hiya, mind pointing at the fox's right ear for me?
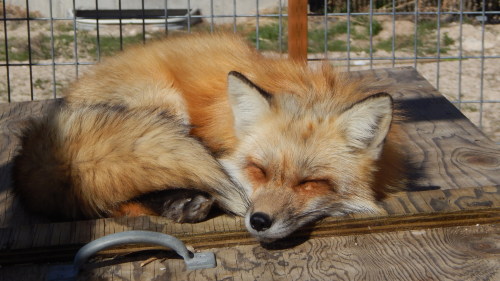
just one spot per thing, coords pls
(367, 122)
(248, 101)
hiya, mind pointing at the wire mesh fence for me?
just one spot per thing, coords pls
(455, 44)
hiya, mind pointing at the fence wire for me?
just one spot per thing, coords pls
(455, 44)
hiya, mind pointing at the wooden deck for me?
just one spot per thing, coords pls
(446, 227)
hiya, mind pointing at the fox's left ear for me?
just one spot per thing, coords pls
(248, 101)
(367, 122)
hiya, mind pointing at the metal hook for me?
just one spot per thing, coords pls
(192, 260)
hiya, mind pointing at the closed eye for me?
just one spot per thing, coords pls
(256, 172)
(321, 181)
(314, 183)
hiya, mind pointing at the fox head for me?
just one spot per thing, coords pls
(303, 157)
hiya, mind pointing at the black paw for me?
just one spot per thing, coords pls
(187, 207)
(180, 205)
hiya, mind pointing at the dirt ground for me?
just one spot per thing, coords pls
(446, 75)
(455, 79)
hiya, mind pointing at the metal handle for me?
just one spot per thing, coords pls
(192, 260)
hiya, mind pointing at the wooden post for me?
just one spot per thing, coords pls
(297, 30)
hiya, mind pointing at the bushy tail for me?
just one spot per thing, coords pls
(83, 162)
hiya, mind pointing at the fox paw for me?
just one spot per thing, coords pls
(187, 206)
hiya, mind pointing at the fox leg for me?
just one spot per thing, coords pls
(133, 209)
(180, 205)
(187, 207)
(85, 162)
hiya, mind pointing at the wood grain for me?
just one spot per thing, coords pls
(13, 118)
(455, 173)
(404, 211)
(384, 256)
(446, 150)
(452, 253)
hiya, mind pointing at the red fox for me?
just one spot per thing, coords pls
(271, 139)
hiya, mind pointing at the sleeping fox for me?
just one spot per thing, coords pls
(270, 139)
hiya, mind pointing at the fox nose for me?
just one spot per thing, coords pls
(260, 221)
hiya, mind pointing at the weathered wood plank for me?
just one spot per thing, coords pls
(12, 120)
(429, 209)
(453, 253)
(446, 150)
(386, 256)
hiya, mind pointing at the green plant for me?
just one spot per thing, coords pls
(40, 84)
(447, 40)
(338, 28)
(316, 40)
(363, 31)
(425, 26)
(337, 46)
(425, 40)
(376, 27)
(385, 45)
(17, 49)
(268, 37)
(469, 108)
(109, 45)
(63, 26)
(402, 43)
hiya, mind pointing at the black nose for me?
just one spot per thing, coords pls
(260, 221)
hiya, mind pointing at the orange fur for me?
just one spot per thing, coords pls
(208, 112)
(132, 209)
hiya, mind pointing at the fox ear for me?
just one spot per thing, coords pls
(248, 101)
(367, 122)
